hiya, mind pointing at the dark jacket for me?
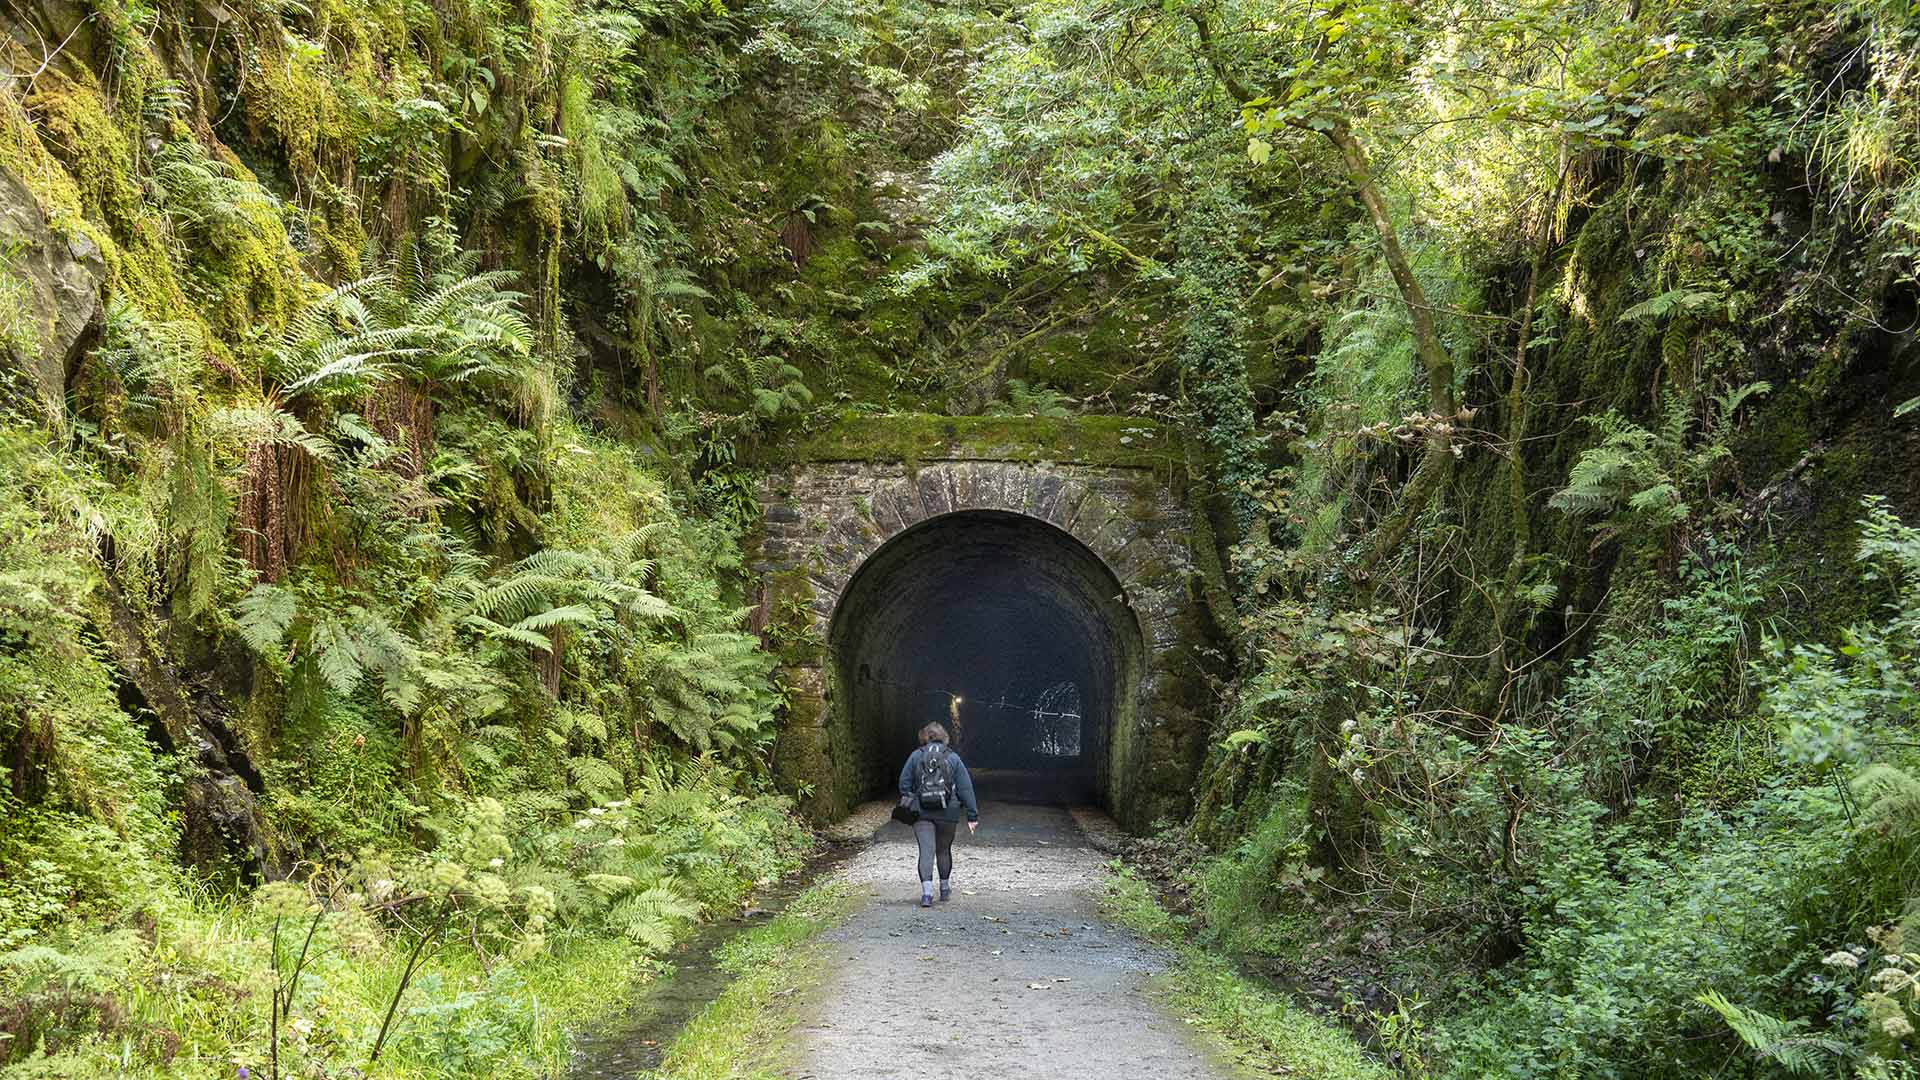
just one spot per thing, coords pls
(962, 786)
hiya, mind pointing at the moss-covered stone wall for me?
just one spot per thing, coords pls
(1115, 485)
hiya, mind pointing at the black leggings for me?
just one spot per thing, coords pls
(935, 837)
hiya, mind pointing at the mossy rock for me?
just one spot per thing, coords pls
(1110, 441)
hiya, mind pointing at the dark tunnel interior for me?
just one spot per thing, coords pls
(1007, 625)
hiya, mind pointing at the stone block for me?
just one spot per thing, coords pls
(935, 499)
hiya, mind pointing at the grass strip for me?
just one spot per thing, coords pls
(737, 1036)
(1267, 1030)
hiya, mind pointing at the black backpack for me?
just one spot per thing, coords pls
(934, 784)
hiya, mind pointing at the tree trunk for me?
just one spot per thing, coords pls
(1436, 465)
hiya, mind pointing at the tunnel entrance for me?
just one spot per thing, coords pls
(1006, 629)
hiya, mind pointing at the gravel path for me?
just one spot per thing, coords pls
(1018, 976)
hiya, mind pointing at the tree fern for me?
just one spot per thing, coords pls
(487, 628)
(446, 327)
(566, 615)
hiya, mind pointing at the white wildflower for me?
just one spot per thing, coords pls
(616, 842)
(1896, 1026)
(584, 823)
(597, 811)
(1888, 978)
(496, 862)
(1842, 959)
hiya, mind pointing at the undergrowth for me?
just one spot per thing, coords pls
(741, 1033)
(1264, 1028)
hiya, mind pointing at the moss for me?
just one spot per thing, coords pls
(23, 156)
(803, 762)
(1117, 441)
(790, 625)
(339, 238)
(72, 122)
(74, 157)
(1101, 358)
(251, 276)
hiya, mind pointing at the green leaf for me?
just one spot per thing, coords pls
(263, 616)
(1672, 301)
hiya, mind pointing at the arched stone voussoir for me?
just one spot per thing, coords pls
(1089, 518)
(1065, 503)
(936, 495)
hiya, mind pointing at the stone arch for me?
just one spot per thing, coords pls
(824, 522)
(971, 613)
(955, 487)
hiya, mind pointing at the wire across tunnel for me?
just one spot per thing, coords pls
(1002, 627)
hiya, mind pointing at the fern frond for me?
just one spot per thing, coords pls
(1889, 797)
(594, 777)
(569, 615)
(263, 616)
(1776, 1040)
(1675, 300)
(336, 655)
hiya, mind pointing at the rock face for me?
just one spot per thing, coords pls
(50, 306)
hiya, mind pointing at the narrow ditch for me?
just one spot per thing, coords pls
(636, 1041)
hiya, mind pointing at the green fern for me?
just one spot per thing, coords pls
(1778, 1041)
(1031, 400)
(449, 327)
(206, 201)
(1889, 798)
(263, 616)
(1675, 301)
(770, 385)
(595, 778)
(652, 916)
(1653, 476)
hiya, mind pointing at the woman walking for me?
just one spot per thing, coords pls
(935, 781)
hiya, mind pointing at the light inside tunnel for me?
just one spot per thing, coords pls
(1005, 629)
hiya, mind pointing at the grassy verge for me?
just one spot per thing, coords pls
(1263, 1026)
(738, 1035)
(187, 1001)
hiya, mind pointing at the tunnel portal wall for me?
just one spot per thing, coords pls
(823, 521)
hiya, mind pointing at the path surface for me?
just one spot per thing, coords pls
(1017, 977)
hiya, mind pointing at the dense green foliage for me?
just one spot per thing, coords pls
(1568, 654)
(381, 537)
